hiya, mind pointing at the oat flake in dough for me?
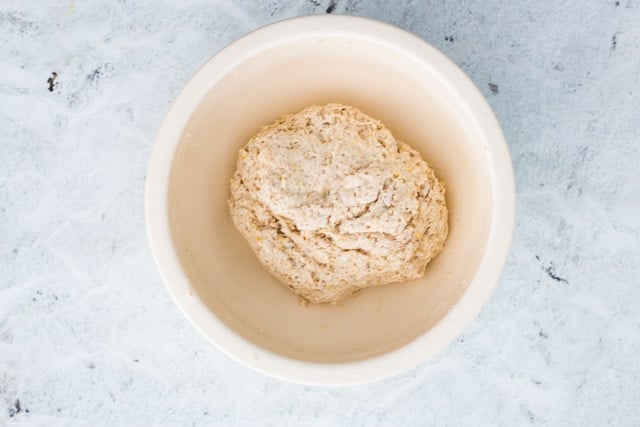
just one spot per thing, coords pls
(331, 203)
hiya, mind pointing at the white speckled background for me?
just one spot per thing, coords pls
(89, 336)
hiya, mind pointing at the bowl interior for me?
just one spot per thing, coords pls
(417, 105)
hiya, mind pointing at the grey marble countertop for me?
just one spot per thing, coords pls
(88, 335)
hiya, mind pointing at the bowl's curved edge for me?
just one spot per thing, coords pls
(379, 367)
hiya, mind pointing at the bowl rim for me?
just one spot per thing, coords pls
(377, 367)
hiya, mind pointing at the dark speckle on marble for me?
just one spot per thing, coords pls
(449, 39)
(51, 81)
(98, 72)
(531, 416)
(95, 75)
(543, 334)
(614, 42)
(550, 270)
(494, 88)
(16, 408)
(332, 6)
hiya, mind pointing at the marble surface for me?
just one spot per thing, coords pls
(88, 335)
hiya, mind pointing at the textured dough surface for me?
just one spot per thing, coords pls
(331, 203)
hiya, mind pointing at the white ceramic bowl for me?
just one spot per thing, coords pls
(210, 271)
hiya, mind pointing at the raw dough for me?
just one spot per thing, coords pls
(331, 203)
